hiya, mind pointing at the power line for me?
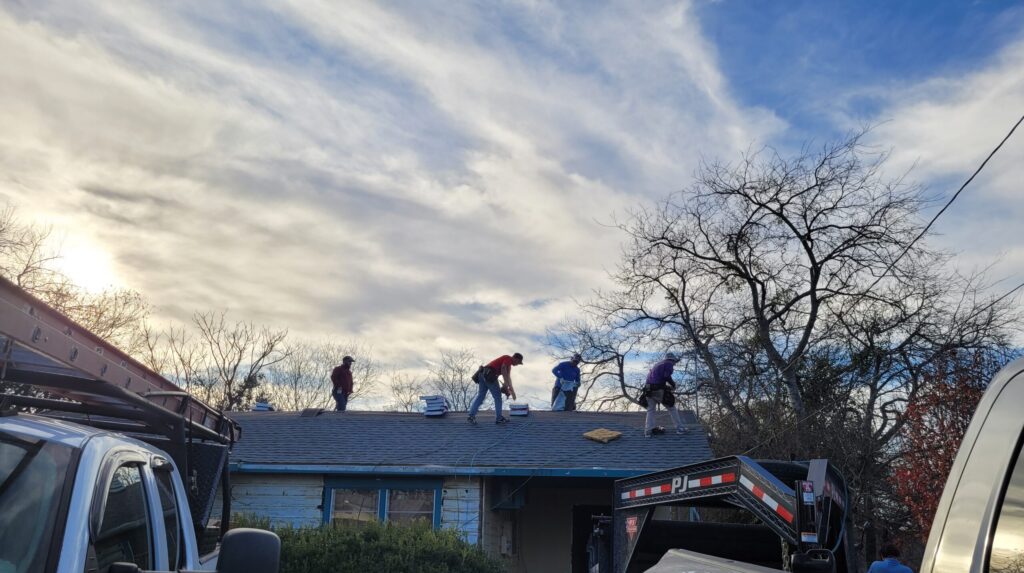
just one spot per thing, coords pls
(946, 206)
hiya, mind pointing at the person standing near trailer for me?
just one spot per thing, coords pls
(487, 377)
(341, 379)
(567, 383)
(659, 390)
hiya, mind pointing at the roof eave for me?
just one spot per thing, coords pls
(257, 468)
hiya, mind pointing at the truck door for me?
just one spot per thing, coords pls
(135, 517)
(121, 529)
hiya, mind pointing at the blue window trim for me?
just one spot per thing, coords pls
(383, 486)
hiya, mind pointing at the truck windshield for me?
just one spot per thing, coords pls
(32, 479)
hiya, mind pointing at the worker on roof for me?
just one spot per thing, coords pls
(341, 378)
(487, 378)
(567, 383)
(660, 389)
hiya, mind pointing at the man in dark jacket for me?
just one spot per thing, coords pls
(341, 378)
(659, 390)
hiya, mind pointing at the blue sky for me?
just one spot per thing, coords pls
(429, 175)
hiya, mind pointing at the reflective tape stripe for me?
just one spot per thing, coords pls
(711, 480)
(767, 499)
(646, 491)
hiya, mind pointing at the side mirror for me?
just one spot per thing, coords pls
(246, 550)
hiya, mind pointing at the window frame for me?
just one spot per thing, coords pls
(383, 486)
(111, 463)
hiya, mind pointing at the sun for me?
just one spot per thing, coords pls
(87, 265)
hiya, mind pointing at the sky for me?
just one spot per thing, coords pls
(430, 175)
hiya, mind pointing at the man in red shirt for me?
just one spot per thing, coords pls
(487, 378)
(341, 378)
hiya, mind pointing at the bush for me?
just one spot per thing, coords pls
(374, 547)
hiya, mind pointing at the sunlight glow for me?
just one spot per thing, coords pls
(87, 265)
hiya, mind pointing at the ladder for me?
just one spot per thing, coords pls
(48, 351)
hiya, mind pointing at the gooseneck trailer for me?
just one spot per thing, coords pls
(792, 516)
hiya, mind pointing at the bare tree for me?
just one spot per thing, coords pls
(805, 302)
(405, 390)
(237, 354)
(606, 381)
(302, 379)
(28, 259)
(451, 377)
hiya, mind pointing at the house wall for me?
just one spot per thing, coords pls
(460, 506)
(545, 525)
(296, 499)
(537, 537)
(284, 498)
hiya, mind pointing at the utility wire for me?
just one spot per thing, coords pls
(946, 206)
(907, 249)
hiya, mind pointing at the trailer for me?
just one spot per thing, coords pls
(795, 520)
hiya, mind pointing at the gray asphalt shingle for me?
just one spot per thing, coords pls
(541, 440)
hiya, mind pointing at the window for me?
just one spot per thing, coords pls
(408, 506)
(124, 533)
(33, 474)
(1007, 555)
(394, 500)
(172, 529)
(354, 506)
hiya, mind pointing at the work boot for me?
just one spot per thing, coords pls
(471, 419)
(648, 433)
(682, 431)
(658, 430)
(501, 420)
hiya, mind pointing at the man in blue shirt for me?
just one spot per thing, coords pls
(659, 389)
(890, 562)
(567, 383)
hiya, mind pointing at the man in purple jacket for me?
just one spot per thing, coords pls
(659, 390)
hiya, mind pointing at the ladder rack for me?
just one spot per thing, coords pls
(48, 351)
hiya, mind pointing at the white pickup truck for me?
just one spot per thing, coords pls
(77, 499)
(979, 524)
(116, 469)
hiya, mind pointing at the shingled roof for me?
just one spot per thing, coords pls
(544, 442)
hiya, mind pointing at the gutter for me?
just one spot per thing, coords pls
(256, 468)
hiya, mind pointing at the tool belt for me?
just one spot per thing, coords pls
(486, 375)
(663, 396)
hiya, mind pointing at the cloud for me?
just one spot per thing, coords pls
(418, 177)
(941, 130)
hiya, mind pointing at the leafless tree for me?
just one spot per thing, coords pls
(804, 300)
(28, 259)
(606, 382)
(302, 379)
(237, 353)
(451, 376)
(405, 390)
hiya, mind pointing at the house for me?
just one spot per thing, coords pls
(524, 491)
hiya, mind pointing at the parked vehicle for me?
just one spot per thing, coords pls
(979, 523)
(978, 526)
(792, 515)
(105, 466)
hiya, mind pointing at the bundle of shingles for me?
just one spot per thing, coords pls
(435, 406)
(516, 409)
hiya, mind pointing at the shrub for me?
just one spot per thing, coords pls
(374, 547)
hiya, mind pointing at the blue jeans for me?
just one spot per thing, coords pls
(341, 401)
(495, 391)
